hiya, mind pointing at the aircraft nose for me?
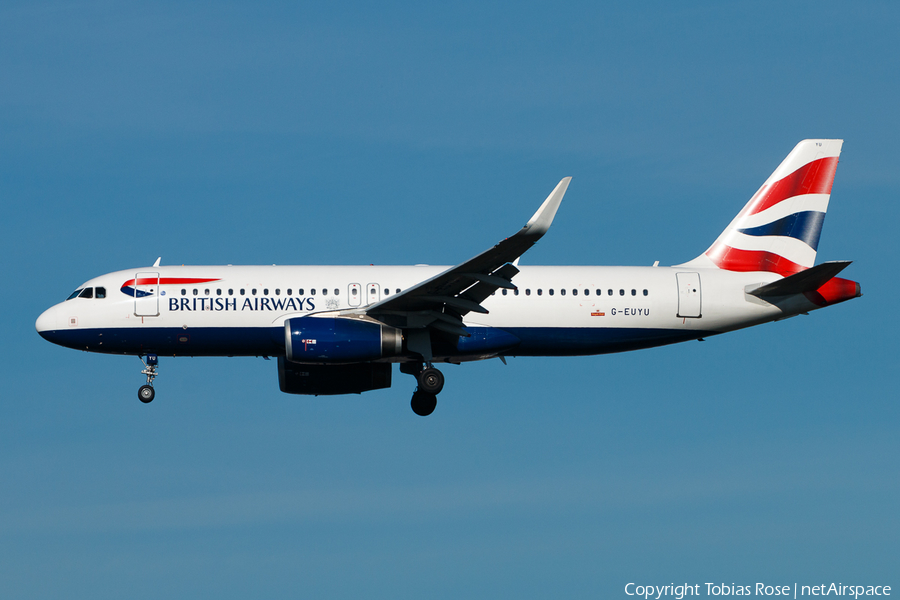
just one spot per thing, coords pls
(46, 322)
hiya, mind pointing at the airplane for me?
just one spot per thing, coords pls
(339, 329)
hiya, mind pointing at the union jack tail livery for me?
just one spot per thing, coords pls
(778, 230)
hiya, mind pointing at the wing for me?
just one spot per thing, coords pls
(441, 302)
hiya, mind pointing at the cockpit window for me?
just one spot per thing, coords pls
(74, 294)
(86, 293)
(100, 292)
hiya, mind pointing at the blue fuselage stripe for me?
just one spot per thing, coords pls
(269, 341)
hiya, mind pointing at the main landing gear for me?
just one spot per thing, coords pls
(423, 403)
(431, 382)
(147, 393)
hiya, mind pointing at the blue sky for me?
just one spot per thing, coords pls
(347, 133)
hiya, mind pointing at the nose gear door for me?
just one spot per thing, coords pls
(146, 295)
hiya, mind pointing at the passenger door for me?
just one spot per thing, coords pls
(146, 295)
(688, 295)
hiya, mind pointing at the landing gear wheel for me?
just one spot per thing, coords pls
(146, 394)
(431, 381)
(423, 403)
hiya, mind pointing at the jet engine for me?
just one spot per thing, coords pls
(334, 340)
(326, 380)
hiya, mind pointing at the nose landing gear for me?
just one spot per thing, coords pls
(147, 393)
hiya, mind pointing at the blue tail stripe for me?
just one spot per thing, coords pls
(804, 226)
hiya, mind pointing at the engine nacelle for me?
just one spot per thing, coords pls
(326, 380)
(313, 340)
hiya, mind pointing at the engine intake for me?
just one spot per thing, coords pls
(334, 340)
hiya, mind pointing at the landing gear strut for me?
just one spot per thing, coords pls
(431, 382)
(147, 393)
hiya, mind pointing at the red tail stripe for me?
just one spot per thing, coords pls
(813, 178)
(166, 281)
(732, 259)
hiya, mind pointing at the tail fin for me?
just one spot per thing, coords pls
(778, 230)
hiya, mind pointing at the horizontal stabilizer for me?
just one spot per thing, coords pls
(808, 280)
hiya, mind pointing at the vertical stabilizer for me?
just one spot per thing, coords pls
(778, 230)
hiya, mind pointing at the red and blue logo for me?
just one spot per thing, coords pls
(801, 224)
(146, 286)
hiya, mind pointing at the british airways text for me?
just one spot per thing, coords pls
(231, 304)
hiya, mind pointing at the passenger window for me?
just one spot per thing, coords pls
(527, 291)
(387, 291)
(87, 293)
(312, 292)
(184, 292)
(206, 291)
(277, 292)
(574, 292)
(598, 292)
(562, 292)
(253, 291)
(242, 291)
(288, 292)
(231, 291)
(101, 292)
(610, 292)
(196, 291)
(634, 292)
(325, 291)
(504, 292)
(353, 291)
(218, 292)
(265, 291)
(300, 291)
(645, 292)
(516, 292)
(621, 292)
(74, 294)
(397, 291)
(540, 292)
(337, 292)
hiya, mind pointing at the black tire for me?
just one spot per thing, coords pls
(146, 394)
(423, 403)
(431, 381)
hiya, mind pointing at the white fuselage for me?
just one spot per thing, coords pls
(555, 310)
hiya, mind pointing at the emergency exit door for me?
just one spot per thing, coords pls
(688, 295)
(373, 293)
(354, 294)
